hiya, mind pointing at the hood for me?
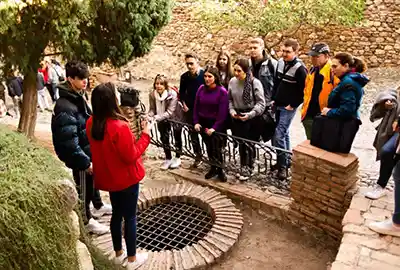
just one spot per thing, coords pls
(65, 90)
(360, 79)
(387, 95)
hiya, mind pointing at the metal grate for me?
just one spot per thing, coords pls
(172, 225)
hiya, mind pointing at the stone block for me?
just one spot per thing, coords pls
(177, 260)
(187, 262)
(394, 249)
(216, 252)
(348, 254)
(356, 229)
(386, 258)
(370, 264)
(204, 253)
(360, 203)
(84, 257)
(197, 259)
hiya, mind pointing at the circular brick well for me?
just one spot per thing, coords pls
(182, 226)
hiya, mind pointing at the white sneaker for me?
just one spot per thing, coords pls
(95, 227)
(376, 193)
(106, 209)
(166, 164)
(385, 227)
(141, 258)
(120, 259)
(175, 163)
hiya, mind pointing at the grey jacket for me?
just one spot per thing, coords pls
(384, 129)
(266, 75)
(235, 94)
(173, 108)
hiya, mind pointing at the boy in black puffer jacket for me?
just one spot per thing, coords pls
(68, 126)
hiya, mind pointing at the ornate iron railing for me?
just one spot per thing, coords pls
(264, 154)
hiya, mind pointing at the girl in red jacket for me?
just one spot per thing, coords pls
(117, 168)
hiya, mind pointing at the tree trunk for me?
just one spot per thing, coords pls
(27, 122)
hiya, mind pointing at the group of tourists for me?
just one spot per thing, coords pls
(49, 75)
(256, 99)
(97, 144)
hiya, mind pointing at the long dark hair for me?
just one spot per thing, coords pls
(105, 106)
(356, 64)
(215, 72)
(228, 69)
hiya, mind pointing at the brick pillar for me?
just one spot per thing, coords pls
(322, 187)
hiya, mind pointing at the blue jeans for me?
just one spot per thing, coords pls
(387, 160)
(281, 138)
(396, 177)
(124, 204)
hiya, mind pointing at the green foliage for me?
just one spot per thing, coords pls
(267, 16)
(34, 228)
(91, 30)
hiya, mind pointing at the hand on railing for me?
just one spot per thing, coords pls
(209, 131)
(197, 127)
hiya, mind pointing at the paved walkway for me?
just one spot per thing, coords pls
(362, 248)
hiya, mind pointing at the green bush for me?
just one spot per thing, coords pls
(34, 228)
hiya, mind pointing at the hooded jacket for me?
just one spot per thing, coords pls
(384, 129)
(345, 99)
(68, 126)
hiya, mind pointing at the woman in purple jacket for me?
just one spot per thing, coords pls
(209, 115)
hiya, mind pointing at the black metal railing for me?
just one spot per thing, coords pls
(264, 155)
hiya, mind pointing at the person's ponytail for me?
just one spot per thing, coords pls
(359, 65)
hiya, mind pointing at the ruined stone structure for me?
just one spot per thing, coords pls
(377, 39)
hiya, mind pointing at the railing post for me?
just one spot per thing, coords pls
(322, 187)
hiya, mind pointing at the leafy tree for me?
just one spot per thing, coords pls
(93, 31)
(266, 16)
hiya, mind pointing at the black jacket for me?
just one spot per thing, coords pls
(289, 88)
(188, 87)
(14, 85)
(68, 126)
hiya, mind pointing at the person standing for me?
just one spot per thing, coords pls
(68, 127)
(118, 168)
(263, 67)
(246, 102)
(287, 96)
(53, 80)
(41, 88)
(319, 84)
(224, 66)
(164, 105)
(209, 115)
(14, 86)
(190, 82)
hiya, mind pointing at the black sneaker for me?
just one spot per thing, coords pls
(211, 173)
(282, 174)
(222, 176)
(195, 164)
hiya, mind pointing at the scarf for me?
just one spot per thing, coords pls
(160, 104)
(247, 89)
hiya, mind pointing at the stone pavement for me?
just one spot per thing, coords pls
(362, 248)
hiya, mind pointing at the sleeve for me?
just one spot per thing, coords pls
(196, 106)
(269, 84)
(222, 111)
(301, 76)
(230, 99)
(171, 108)
(11, 90)
(182, 89)
(66, 142)
(259, 107)
(152, 105)
(127, 147)
(347, 106)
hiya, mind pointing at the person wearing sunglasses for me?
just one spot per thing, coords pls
(190, 82)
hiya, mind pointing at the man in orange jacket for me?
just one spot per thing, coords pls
(319, 83)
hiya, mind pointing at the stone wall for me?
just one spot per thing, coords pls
(377, 39)
(322, 187)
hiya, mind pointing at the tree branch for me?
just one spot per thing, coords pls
(52, 54)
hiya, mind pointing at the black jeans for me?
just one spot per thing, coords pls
(49, 87)
(124, 204)
(246, 130)
(86, 193)
(387, 160)
(194, 136)
(214, 144)
(165, 130)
